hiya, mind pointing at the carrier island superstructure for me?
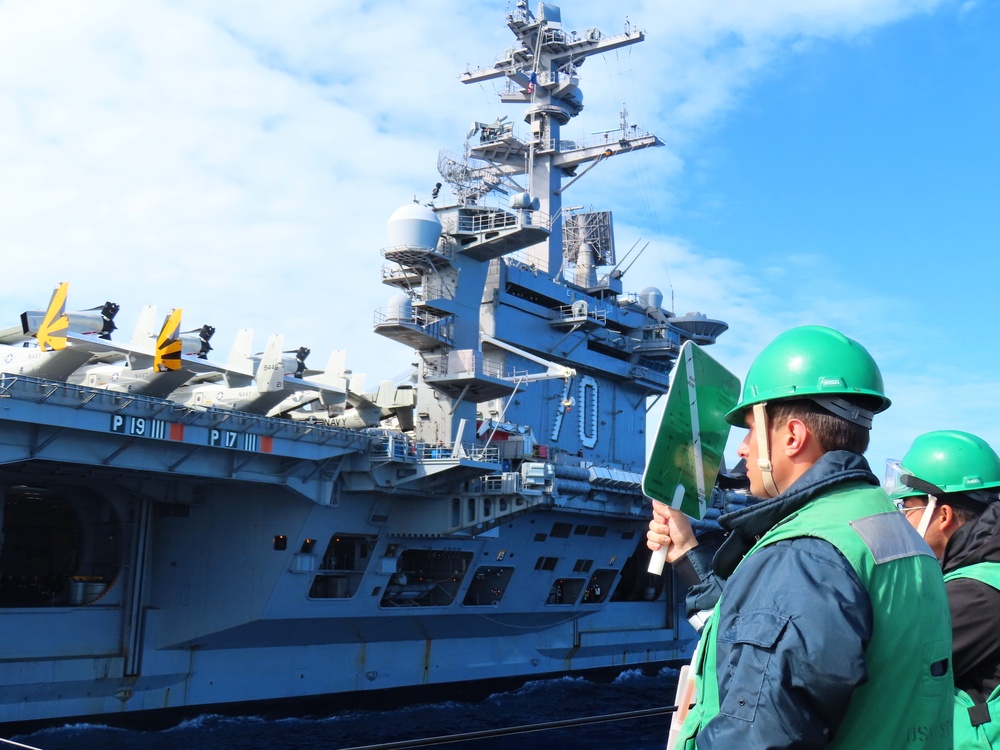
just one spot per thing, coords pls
(157, 556)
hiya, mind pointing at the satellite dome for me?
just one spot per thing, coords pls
(414, 225)
(651, 298)
(399, 308)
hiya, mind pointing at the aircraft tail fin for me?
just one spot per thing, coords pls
(167, 356)
(335, 372)
(334, 381)
(95, 320)
(242, 350)
(386, 393)
(270, 374)
(145, 329)
(54, 326)
(357, 384)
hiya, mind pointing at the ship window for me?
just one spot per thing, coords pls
(342, 567)
(581, 530)
(565, 591)
(488, 586)
(541, 537)
(582, 566)
(426, 578)
(598, 531)
(599, 586)
(546, 563)
(561, 530)
(307, 545)
(280, 542)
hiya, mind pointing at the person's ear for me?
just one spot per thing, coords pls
(948, 518)
(794, 437)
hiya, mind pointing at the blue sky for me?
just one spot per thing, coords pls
(861, 177)
(831, 162)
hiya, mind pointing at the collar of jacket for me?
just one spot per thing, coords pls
(976, 541)
(747, 525)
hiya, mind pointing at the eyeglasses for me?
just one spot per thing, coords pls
(903, 508)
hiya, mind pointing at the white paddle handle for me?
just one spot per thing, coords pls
(656, 561)
(659, 557)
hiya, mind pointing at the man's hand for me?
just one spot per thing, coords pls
(671, 529)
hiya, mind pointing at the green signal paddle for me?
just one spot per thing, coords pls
(687, 451)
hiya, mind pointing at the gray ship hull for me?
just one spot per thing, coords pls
(179, 599)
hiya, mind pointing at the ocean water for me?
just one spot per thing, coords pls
(534, 703)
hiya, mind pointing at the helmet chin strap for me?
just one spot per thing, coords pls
(764, 450)
(925, 516)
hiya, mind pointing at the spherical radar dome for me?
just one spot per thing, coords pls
(399, 308)
(414, 225)
(651, 298)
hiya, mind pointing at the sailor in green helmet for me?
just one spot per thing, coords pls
(811, 643)
(946, 486)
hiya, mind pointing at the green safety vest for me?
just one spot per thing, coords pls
(986, 735)
(901, 705)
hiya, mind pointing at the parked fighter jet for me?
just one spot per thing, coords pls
(270, 384)
(367, 409)
(99, 321)
(49, 355)
(155, 364)
(76, 348)
(329, 391)
(386, 402)
(241, 368)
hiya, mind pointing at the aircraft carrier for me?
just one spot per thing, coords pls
(164, 551)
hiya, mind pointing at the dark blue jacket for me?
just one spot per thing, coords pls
(809, 580)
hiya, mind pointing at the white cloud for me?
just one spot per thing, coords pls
(240, 159)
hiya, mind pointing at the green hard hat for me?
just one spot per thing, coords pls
(951, 461)
(812, 362)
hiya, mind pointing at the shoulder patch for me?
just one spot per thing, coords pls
(889, 536)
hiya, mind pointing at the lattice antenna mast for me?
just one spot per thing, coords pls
(542, 72)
